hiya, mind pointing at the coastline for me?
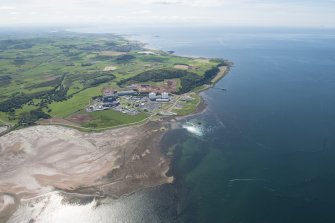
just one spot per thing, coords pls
(224, 70)
(110, 162)
(201, 107)
(136, 146)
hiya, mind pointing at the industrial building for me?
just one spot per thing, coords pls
(162, 100)
(125, 93)
(111, 104)
(152, 96)
(107, 99)
(164, 97)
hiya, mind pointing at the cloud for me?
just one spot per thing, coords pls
(14, 13)
(202, 12)
(141, 12)
(195, 3)
(165, 2)
(4, 7)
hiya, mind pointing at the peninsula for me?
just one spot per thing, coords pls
(84, 114)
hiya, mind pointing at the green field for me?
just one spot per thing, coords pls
(188, 106)
(56, 75)
(109, 118)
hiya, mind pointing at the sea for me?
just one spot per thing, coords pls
(264, 149)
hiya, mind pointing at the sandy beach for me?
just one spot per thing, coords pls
(38, 160)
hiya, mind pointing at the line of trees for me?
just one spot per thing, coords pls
(21, 99)
(18, 101)
(58, 93)
(125, 58)
(29, 118)
(189, 80)
(156, 76)
(97, 81)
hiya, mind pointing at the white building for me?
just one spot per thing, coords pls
(165, 95)
(162, 100)
(152, 96)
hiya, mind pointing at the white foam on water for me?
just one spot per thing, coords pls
(193, 128)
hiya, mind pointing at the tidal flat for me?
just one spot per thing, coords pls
(40, 160)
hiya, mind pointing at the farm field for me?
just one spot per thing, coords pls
(57, 75)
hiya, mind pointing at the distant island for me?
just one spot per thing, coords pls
(95, 82)
(124, 94)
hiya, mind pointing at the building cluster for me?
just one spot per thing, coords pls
(131, 102)
(164, 97)
(110, 96)
(109, 99)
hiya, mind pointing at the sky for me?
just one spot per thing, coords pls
(301, 13)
